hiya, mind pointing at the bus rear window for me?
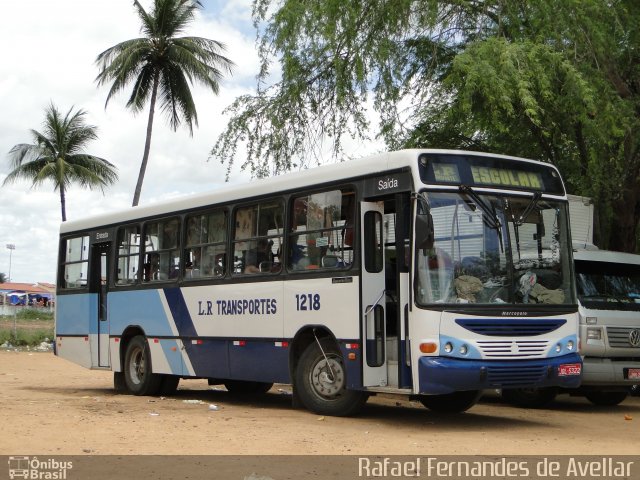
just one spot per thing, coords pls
(75, 262)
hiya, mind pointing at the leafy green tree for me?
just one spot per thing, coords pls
(556, 80)
(57, 155)
(162, 65)
(3, 278)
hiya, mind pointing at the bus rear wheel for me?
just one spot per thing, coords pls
(606, 399)
(529, 397)
(138, 374)
(246, 387)
(456, 402)
(321, 381)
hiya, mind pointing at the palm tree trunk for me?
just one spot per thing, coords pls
(147, 143)
(63, 204)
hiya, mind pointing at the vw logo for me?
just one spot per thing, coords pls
(634, 337)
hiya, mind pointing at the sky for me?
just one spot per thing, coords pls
(48, 55)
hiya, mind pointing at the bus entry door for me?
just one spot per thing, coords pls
(374, 368)
(99, 286)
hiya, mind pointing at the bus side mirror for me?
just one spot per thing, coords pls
(424, 231)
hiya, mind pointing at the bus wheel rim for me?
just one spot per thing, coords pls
(327, 378)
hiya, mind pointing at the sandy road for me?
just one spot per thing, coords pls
(51, 406)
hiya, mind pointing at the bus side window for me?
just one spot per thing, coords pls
(205, 248)
(258, 238)
(128, 255)
(321, 231)
(162, 257)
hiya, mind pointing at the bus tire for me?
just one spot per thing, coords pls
(138, 371)
(318, 390)
(606, 399)
(246, 387)
(456, 402)
(529, 397)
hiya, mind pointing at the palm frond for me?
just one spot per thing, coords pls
(176, 100)
(142, 88)
(201, 59)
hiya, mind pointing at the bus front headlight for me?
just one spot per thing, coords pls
(448, 347)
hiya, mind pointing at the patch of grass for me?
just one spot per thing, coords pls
(24, 338)
(34, 314)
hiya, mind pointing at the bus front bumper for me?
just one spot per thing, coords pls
(440, 375)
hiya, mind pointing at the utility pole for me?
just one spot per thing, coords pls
(11, 247)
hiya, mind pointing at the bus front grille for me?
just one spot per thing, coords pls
(501, 327)
(514, 376)
(513, 348)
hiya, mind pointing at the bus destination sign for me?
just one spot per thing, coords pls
(494, 177)
(490, 172)
(497, 177)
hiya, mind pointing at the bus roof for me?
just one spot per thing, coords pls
(370, 165)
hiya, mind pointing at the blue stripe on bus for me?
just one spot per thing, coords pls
(186, 328)
(142, 308)
(259, 361)
(77, 314)
(180, 312)
(174, 358)
(210, 358)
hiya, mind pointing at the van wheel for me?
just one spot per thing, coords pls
(138, 373)
(456, 402)
(321, 382)
(245, 387)
(529, 397)
(606, 399)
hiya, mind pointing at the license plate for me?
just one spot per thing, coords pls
(633, 374)
(569, 369)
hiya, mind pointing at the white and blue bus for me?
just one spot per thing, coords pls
(428, 273)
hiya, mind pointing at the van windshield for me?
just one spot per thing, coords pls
(608, 286)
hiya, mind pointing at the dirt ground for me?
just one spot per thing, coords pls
(51, 406)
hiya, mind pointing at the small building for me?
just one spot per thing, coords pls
(27, 294)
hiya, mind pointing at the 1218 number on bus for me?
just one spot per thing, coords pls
(307, 301)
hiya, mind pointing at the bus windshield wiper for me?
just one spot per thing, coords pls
(532, 204)
(489, 217)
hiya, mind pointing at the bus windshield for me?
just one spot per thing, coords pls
(608, 286)
(496, 249)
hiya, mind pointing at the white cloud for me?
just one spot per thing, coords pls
(49, 55)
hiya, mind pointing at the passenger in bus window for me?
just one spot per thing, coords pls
(296, 253)
(256, 256)
(151, 267)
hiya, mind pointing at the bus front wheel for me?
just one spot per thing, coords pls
(321, 381)
(138, 375)
(455, 402)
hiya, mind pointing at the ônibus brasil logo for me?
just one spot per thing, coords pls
(33, 468)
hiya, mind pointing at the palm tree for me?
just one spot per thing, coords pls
(161, 63)
(56, 155)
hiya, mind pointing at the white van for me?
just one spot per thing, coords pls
(608, 285)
